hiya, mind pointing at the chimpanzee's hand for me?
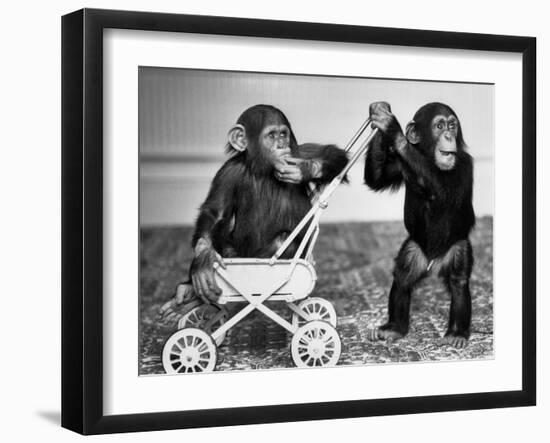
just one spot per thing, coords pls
(383, 119)
(202, 273)
(298, 170)
(288, 171)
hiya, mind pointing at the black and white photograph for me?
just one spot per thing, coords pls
(271, 221)
(292, 221)
(303, 221)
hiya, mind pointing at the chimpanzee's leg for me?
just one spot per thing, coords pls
(410, 266)
(456, 270)
(184, 294)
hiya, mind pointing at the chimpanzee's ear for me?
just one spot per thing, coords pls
(411, 132)
(236, 137)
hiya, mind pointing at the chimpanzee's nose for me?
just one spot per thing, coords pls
(448, 136)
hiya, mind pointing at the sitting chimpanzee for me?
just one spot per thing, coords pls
(256, 198)
(430, 160)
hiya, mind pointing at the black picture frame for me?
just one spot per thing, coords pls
(82, 220)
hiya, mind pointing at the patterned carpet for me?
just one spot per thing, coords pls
(354, 262)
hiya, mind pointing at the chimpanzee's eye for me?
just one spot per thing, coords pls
(452, 124)
(440, 125)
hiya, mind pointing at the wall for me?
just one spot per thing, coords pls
(185, 115)
(30, 222)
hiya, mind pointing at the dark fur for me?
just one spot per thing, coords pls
(248, 212)
(438, 216)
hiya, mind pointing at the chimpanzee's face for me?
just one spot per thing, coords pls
(444, 129)
(274, 141)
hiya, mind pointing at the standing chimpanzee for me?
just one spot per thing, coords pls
(256, 198)
(437, 172)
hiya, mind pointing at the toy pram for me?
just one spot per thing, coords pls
(315, 341)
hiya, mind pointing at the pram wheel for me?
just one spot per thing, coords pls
(316, 343)
(315, 308)
(189, 350)
(205, 317)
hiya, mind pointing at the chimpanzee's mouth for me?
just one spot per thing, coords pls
(447, 153)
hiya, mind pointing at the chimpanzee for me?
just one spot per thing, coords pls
(438, 175)
(256, 198)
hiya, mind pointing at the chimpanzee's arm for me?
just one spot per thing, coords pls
(465, 164)
(324, 162)
(382, 167)
(463, 191)
(417, 170)
(217, 209)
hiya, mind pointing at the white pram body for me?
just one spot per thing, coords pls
(252, 275)
(257, 282)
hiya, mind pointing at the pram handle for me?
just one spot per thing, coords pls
(321, 202)
(358, 134)
(331, 187)
(348, 147)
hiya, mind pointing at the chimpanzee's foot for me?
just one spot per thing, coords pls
(184, 294)
(384, 332)
(457, 341)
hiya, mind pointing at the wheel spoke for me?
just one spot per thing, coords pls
(193, 318)
(317, 309)
(176, 364)
(200, 316)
